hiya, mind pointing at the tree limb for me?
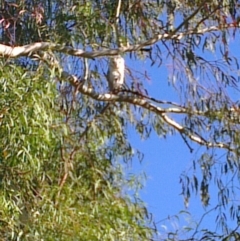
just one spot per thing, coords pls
(30, 49)
(146, 105)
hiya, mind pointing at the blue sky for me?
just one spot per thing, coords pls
(165, 160)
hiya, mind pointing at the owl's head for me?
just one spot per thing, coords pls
(117, 61)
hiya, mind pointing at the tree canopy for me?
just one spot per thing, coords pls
(64, 139)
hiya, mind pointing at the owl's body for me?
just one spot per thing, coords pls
(115, 75)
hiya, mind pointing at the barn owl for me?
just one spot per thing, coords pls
(115, 75)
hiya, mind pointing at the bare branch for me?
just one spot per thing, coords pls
(146, 105)
(86, 69)
(118, 9)
(30, 49)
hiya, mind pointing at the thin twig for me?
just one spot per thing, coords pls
(116, 23)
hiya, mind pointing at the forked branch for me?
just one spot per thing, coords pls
(146, 104)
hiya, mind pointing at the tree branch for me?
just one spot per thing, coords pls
(146, 104)
(30, 49)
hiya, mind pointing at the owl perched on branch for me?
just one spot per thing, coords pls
(115, 75)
